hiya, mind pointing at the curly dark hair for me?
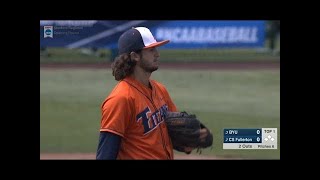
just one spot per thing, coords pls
(123, 66)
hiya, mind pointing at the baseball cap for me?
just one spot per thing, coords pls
(136, 39)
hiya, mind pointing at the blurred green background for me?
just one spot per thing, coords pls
(63, 56)
(86, 55)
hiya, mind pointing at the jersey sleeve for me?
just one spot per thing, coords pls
(116, 112)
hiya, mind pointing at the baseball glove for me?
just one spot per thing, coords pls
(185, 130)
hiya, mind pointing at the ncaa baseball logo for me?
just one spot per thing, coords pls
(48, 31)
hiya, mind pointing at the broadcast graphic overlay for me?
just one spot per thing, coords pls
(247, 138)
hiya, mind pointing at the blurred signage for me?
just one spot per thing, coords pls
(207, 34)
(182, 34)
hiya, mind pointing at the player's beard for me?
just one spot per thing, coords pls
(148, 66)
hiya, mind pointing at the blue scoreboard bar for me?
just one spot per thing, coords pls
(250, 138)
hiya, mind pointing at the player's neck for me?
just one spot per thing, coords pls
(142, 77)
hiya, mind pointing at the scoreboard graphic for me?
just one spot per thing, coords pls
(250, 138)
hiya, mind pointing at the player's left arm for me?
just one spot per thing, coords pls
(109, 144)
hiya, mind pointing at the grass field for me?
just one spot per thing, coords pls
(70, 102)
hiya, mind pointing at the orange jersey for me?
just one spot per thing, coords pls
(136, 113)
